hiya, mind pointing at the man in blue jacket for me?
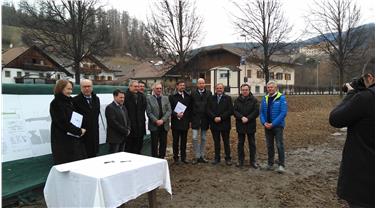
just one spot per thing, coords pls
(273, 111)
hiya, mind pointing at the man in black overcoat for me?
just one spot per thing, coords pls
(87, 104)
(135, 102)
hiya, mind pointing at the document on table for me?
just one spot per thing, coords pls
(180, 108)
(76, 120)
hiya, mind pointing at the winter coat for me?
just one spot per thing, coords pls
(136, 113)
(223, 109)
(278, 111)
(90, 121)
(356, 182)
(246, 107)
(200, 119)
(65, 148)
(182, 123)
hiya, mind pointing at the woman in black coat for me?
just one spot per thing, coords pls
(246, 110)
(66, 144)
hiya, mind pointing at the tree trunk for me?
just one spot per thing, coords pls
(340, 83)
(77, 73)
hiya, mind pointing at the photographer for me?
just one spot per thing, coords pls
(356, 182)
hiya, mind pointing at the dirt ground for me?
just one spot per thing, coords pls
(313, 156)
(312, 163)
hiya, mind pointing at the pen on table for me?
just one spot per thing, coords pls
(109, 162)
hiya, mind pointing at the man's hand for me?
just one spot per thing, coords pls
(180, 115)
(244, 120)
(217, 119)
(83, 131)
(268, 125)
(159, 122)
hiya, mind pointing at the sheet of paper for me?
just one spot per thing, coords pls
(180, 107)
(76, 119)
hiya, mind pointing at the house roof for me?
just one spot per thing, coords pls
(11, 54)
(146, 70)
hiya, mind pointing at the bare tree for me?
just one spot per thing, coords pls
(336, 22)
(67, 25)
(173, 28)
(263, 22)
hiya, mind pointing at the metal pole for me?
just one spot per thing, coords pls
(317, 76)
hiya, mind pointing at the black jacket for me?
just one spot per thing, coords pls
(90, 121)
(247, 107)
(183, 123)
(118, 128)
(136, 113)
(200, 117)
(356, 182)
(65, 148)
(224, 110)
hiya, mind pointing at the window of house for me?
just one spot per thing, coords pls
(27, 74)
(287, 76)
(109, 78)
(41, 75)
(34, 61)
(7, 73)
(96, 77)
(103, 77)
(249, 72)
(41, 62)
(223, 75)
(19, 74)
(202, 75)
(279, 76)
(257, 89)
(260, 74)
(271, 75)
(58, 76)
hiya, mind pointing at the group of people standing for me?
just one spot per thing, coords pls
(201, 110)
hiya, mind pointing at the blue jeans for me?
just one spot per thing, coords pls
(199, 149)
(276, 133)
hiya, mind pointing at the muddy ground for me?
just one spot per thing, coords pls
(312, 162)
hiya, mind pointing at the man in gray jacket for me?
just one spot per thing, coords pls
(158, 110)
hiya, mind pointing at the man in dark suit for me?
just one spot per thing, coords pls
(135, 102)
(118, 123)
(220, 110)
(180, 121)
(159, 111)
(200, 120)
(87, 104)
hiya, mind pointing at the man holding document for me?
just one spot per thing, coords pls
(180, 119)
(66, 132)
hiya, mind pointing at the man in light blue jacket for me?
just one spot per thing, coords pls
(273, 111)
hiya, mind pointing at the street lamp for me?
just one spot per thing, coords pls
(245, 54)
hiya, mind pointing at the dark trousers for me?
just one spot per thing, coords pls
(116, 147)
(251, 146)
(276, 133)
(134, 145)
(179, 135)
(217, 144)
(159, 136)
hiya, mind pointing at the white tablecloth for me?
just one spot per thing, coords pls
(105, 181)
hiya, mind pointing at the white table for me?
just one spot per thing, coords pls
(105, 181)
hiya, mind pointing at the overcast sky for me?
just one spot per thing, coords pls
(218, 27)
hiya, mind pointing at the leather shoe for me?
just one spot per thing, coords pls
(215, 162)
(202, 160)
(195, 161)
(254, 165)
(228, 162)
(184, 161)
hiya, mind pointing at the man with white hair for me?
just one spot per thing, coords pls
(87, 104)
(273, 111)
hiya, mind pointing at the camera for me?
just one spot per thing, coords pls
(356, 83)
